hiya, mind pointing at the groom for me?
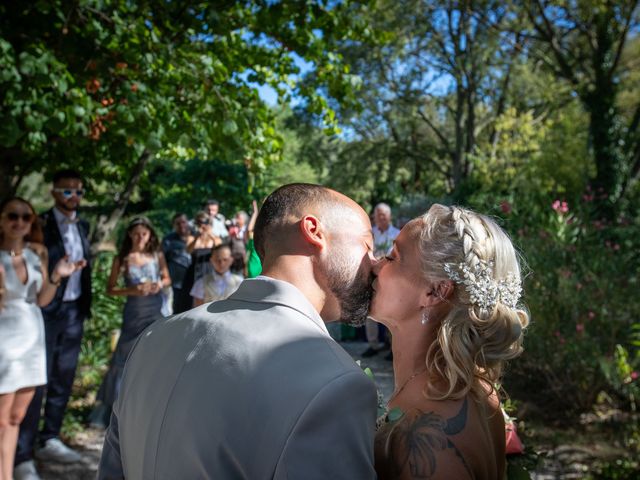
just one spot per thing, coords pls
(253, 386)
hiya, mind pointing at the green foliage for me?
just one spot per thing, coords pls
(106, 316)
(102, 85)
(580, 294)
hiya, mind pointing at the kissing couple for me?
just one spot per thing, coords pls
(253, 387)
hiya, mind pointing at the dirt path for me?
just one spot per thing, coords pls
(89, 444)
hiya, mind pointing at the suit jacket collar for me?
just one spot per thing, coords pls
(269, 290)
(51, 223)
(52, 226)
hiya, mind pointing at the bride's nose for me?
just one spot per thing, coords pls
(377, 265)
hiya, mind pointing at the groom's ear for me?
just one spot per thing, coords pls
(312, 231)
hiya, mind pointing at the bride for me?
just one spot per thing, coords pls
(449, 293)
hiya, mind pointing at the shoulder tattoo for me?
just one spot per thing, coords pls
(420, 439)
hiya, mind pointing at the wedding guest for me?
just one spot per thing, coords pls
(449, 291)
(238, 235)
(144, 271)
(218, 221)
(200, 250)
(25, 285)
(384, 233)
(220, 283)
(254, 264)
(174, 247)
(65, 235)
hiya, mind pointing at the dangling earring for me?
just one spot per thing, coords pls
(425, 316)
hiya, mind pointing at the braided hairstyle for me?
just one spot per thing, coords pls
(473, 341)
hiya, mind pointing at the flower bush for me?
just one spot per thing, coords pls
(581, 289)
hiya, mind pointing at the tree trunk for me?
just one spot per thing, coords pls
(9, 179)
(107, 223)
(604, 130)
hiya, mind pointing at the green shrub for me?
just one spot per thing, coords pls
(581, 289)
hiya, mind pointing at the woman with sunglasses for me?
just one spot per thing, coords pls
(145, 273)
(25, 285)
(200, 250)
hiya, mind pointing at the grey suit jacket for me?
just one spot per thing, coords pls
(252, 387)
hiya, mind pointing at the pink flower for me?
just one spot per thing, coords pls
(564, 273)
(580, 327)
(634, 375)
(506, 207)
(591, 315)
(578, 286)
(587, 198)
(560, 207)
(616, 247)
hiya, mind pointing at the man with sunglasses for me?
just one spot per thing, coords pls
(64, 235)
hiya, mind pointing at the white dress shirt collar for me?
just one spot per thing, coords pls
(61, 218)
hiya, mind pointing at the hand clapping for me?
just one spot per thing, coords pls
(65, 268)
(147, 288)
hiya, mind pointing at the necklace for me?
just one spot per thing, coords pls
(13, 253)
(406, 382)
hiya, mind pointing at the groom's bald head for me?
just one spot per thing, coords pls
(276, 226)
(321, 241)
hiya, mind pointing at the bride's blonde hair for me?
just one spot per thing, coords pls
(473, 341)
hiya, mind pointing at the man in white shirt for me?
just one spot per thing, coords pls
(384, 233)
(218, 227)
(64, 235)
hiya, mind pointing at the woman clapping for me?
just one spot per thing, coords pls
(25, 286)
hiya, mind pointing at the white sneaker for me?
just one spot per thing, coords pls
(57, 451)
(26, 471)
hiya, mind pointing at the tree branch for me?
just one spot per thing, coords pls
(623, 38)
(442, 138)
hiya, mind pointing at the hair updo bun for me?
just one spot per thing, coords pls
(485, 322)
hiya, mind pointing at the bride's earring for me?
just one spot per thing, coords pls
(425, 317)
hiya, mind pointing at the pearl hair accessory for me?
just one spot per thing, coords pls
(484, 291)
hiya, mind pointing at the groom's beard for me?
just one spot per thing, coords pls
(353, 291)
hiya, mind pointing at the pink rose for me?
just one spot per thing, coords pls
(505, 207)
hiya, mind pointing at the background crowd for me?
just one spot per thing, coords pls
(47, 262)
(45, 298)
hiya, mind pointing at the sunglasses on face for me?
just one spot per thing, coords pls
(69, 192)
(203, 222)
(14, 217)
